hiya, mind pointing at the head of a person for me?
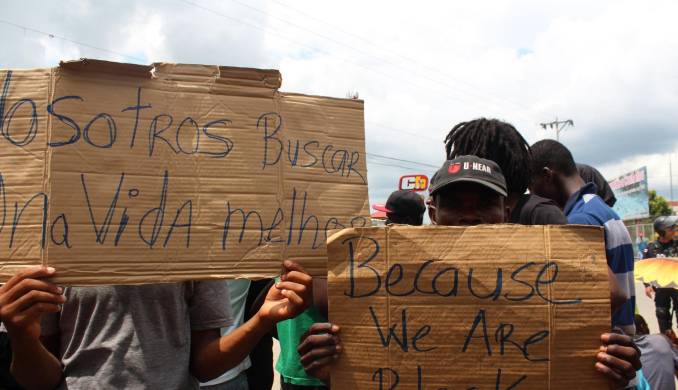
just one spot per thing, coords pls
(494, 140)
(591, 175)
(404, 207)
(468, 190)
(552, 167)
(641, 325)
(665, 226)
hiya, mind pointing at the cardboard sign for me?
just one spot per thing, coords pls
(118, 173)
(485, 307)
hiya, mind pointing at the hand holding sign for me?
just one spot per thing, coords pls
(618, 359)
(318, 348)
(289, 297)
(25, 298)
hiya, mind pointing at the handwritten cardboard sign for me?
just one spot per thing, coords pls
(120, 173)
(486, 307)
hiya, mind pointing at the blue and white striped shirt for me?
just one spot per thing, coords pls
(587, 208)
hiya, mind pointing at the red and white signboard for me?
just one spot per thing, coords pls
(413, 183)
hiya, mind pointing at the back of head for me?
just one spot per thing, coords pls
(591, 175)
(406, 208)
(494, 140)
(554, 155)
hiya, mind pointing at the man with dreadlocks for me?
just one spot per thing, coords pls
(500, 142)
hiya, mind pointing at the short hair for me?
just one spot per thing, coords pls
(554, 155)
(591, 175)
(494, 140)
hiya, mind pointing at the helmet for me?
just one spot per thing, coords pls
(664, 223)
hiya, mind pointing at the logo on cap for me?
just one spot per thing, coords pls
(454, 168)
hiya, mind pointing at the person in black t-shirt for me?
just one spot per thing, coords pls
(500, 142)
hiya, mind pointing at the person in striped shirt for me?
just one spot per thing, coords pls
(555, 176)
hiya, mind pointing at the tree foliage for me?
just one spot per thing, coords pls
(658, 205)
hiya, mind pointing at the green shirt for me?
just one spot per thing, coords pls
(289, 333)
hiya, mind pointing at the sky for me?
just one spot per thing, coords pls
(421, 67)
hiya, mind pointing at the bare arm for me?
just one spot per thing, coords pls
(212, 355)
(24, 299)
(30, 356)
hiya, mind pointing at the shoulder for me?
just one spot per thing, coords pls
(582, 218)
(548, 214)
(535, 210)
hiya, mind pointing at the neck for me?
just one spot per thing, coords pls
(512, 201)
(571, 185)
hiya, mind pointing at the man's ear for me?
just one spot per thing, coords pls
(432, 213)
(548, 173)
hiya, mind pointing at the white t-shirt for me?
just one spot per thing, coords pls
(237, 291)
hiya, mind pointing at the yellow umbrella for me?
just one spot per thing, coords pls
(659, 272)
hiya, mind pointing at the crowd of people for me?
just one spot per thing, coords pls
(175, 336)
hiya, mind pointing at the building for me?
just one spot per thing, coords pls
(674, 206)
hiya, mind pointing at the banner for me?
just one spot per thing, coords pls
(631, 192)
(483, 307)
(117, 173)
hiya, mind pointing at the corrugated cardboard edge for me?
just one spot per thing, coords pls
(547, 255)
(46, 182)
(88, 65)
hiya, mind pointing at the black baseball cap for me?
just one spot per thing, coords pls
(403, 202)
(469, 169)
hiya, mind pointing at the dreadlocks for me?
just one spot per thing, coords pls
(497, 141)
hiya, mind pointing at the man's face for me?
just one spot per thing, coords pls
(463, 204)
(670, 233)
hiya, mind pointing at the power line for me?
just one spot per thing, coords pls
(384, 48)
(402, 160)
(317, 50)
(407, 168)
(399, 130)
(398, 54)
(52, 36)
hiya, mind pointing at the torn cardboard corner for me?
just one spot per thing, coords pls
(494, 306)
(123, 174)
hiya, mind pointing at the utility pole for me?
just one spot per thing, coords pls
(558, 126)
(671, 177)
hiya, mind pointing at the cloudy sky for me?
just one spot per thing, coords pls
(421, 67)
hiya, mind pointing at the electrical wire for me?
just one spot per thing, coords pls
(83, 44)
(331, 39)
(321, 51)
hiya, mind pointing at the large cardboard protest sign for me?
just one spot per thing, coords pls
(486, 307)
(120, 173)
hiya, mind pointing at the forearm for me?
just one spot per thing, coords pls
(217, 356)
(33, 366)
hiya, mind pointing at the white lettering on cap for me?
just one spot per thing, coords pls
(481, 167)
